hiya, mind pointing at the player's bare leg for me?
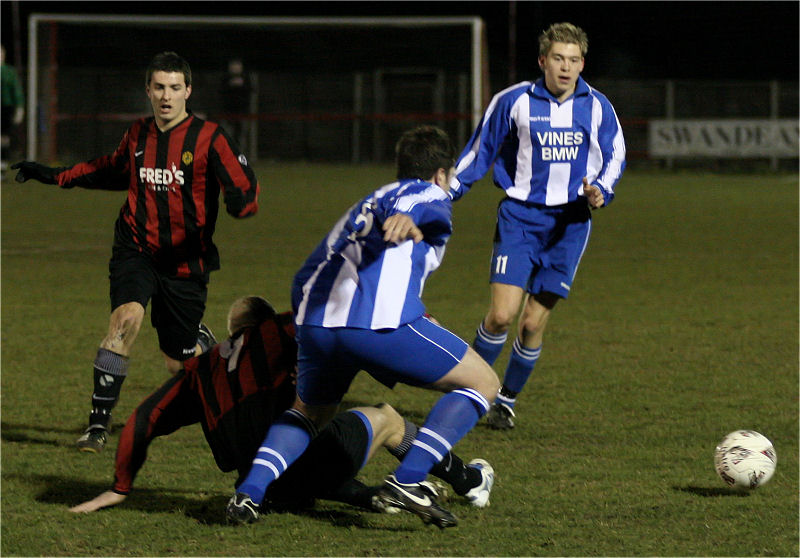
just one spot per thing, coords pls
(469, 388)
(524, 355)
(110, 370)
(492, 332)
(504, 307)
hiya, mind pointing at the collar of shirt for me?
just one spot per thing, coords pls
(538, 89)
(182, 123)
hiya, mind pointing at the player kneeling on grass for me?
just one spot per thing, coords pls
(238, 388)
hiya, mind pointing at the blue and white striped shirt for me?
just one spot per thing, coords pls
(355, 279)
(542, 149)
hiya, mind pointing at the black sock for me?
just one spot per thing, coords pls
(451, 469)
(110, 370)
(505, 392)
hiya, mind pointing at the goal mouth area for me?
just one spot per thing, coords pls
(291, 55)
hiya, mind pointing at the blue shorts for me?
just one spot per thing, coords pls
(538, 248)
(417, 354)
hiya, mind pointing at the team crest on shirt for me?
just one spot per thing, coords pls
(242, 159)
(187, 157)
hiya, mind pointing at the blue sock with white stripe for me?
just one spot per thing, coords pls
(520, 366)
(450, 419)
(286, 440)
(489, 345)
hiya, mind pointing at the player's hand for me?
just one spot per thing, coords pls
(32, 170)
(105, 500)
(399, 228)
(593, 194)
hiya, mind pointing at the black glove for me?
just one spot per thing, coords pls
(33, 170)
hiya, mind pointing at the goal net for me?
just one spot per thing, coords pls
(316, 89)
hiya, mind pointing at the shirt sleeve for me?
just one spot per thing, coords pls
(110, 172)
(484, 145)
(236, 177)
(169, 408)
(612, 148)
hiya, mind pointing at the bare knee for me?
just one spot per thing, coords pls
(388, 427)
(534, 319)
(499, 320)
(531, 326)
(505, 303)
(392, 424)
(123, 327)
(472, 372)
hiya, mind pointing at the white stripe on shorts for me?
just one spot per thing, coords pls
(433, 342)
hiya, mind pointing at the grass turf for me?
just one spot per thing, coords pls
(682, 326)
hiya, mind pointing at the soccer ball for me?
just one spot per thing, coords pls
(745, 459)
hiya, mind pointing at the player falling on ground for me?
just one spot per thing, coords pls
(174, 166)
(238, 388)
(357, 306)
(557, 150)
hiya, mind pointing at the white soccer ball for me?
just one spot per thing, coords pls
(745, 459)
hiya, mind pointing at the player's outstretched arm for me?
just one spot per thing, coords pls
(105, 500)
(32, 170)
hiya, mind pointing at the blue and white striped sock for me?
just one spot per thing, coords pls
(286, 440)
(450, 419)
(519, 368)
(488, 345)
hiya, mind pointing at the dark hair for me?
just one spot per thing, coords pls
(169, 61)
(422, 151)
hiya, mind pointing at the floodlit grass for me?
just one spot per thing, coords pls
(682, 326)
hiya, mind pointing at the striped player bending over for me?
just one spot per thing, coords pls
(557, 150)
(173, 165)
(357, 306)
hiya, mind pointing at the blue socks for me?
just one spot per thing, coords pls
(488, 345)
(286, 440)
(450, 419)
(519, 368)
(520, 363)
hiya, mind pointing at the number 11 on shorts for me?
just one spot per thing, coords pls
(500, 265)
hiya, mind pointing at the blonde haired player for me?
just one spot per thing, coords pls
(558, 151)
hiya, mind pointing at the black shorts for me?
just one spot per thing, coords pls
(177, 304)
(334, 457)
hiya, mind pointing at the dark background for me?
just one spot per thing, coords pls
(641, 40)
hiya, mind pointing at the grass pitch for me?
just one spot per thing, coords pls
(682, 326)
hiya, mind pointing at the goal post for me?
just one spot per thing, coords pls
(317, 81)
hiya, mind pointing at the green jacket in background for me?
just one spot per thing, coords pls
(12, 95)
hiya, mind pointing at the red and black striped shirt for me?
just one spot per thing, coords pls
(235, 391)
(173, 180)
